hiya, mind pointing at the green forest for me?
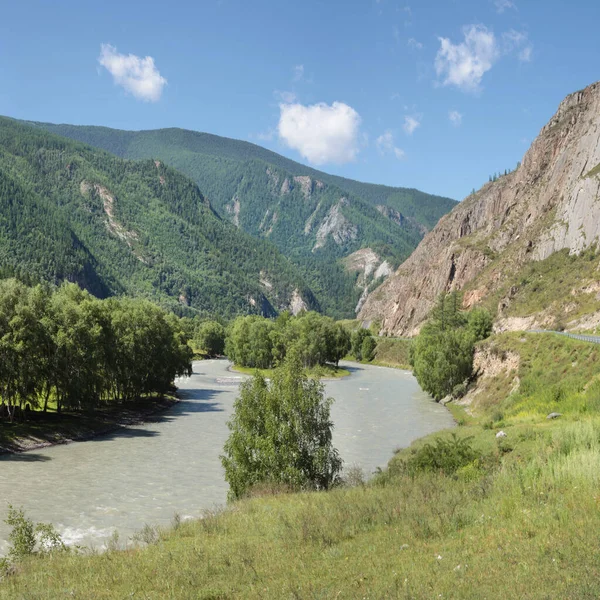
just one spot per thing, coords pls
(274, 198)
(65, 349)
(69, 212)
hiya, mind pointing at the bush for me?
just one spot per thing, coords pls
(367, 349)
(356, 343)
(27, 538)
(479, 323)
(280, 434)
(445, 456)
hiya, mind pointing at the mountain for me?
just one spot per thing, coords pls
(72, 212)
(524, 246)
(314, 218)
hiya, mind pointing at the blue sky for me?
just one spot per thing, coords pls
(435, 95)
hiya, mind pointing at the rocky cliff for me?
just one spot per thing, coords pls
(550, 203)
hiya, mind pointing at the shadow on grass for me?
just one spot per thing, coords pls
(125, 421)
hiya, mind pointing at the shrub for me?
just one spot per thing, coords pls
(281, 433)
(367, 349)
(356, 342)
(445, 456)
(27, 537)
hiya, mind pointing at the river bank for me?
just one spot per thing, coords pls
(43, 430)
(146, 473)
(519, 520)
(324, 373)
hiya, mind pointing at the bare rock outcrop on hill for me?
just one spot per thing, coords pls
(549, 203)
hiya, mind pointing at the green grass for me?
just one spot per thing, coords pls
(520, 521)
(555, 374)
(321, 372)
(595, 171)
(392, 352)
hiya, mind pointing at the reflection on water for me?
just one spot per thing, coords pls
(147, 473)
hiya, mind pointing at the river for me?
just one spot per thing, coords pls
(147, 473)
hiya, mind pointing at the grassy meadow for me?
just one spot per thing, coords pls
(518, 518)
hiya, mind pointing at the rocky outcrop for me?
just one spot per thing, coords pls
(108, 204)
(336, 225)
(297, 303)
(369, 266)
(233, 208)
(549, 203)
(397, 217)
(491, 366)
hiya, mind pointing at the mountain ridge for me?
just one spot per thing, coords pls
(302, 211)
(69, 211)
(495, 241)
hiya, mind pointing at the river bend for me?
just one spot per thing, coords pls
(147, 473)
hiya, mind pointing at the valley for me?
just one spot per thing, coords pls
(236, 371)
(313, 218)
(173, 464)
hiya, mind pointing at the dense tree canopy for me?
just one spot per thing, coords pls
(75, 213)
(261, 343)
(78, 351)
(272, 197)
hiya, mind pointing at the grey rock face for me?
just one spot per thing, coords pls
(336, 225)
(549, 203)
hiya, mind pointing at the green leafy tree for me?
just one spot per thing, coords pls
(479, 323)
(210, 338)
(367, 350)
(281, 433)
(358, 338)
(442, 354)
(442, 360)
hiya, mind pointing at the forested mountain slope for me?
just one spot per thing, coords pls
(72, 212)
(314, 218)
(525, 246)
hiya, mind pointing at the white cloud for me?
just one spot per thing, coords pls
(502, 5)
(298, 72)
(385, 145)
(414, 44)
(464, 64)
(285, 96)
(410, 124)
(138, 76)
(525, 54)
(455, 117)
(517, 41)
(321, 133)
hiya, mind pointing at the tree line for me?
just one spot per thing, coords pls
(442, 353)
(256, 342)
(65, 348)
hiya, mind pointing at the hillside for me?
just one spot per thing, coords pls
(314, 218)
(515, 517)
(72, 212)
(523, 246)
